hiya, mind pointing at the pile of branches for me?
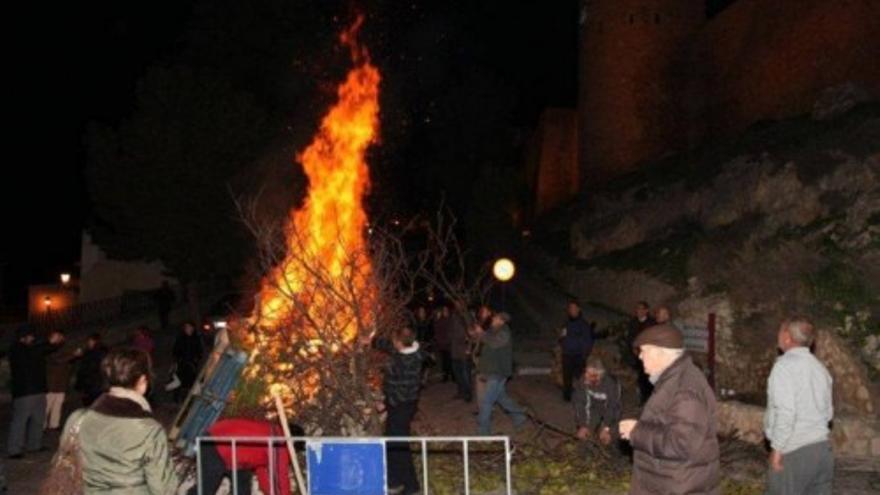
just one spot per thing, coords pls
(317, 360)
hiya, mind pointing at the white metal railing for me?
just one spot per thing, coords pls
(273, 443)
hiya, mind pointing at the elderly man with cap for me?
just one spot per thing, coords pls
(674, 440)
(597, 403)
(495, 368)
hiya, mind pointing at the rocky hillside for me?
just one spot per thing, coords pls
(783, 220)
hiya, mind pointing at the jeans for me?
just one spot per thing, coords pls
(401, 470)
(496, 392)
(28, 416)
(461, 370)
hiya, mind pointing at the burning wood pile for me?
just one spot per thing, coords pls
(332, 279)
(326, 283)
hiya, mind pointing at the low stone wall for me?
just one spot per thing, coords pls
(743, 366)
(851, 383)
(851, 436)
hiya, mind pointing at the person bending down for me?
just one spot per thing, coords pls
(251, 458)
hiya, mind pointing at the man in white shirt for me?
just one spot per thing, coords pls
(799, 409)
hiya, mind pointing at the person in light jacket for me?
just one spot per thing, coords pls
(799, 409)
(124, 449)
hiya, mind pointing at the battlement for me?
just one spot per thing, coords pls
(658, 76)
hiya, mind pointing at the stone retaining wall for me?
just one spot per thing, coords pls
(851, 436)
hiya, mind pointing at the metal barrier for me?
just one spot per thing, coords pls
(274, 443)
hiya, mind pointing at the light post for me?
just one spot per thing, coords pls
(47, 303)
(65, 279)
(503, 269)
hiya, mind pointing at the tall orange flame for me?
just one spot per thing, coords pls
(330, 225)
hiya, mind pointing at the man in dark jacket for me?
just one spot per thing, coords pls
(641, 320)
(674, 440)
(400, 385)
(495, 368)
(27, 364)
(164, 301)
(89, 377)
(188, 353)
(597, 404)
(57, 382)
(576, 341)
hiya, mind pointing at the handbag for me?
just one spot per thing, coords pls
(65, 473)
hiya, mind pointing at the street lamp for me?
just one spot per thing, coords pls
(65, 278)
(47, 302)
(503, 270)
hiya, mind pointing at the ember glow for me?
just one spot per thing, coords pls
(328, 231)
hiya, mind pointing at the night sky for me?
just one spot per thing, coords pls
(81, 64)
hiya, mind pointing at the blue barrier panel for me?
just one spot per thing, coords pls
(346, 468)
(208, 403)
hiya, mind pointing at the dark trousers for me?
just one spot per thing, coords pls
(401, 470)
(461, 370)
(26, 427)
(446, 364)
(808, 470)
(645, 385)
(187, 373)
(572, 368)
(214, 470)
(163, 317)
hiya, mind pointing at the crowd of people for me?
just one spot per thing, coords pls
(672, 440)
(45, 369)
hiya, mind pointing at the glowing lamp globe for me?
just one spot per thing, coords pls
(503, 269)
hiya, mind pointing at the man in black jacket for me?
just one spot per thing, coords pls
(401, 384)
(597, 404)
(576, 340)
(641, 321)
(89, 377)
(27, 363)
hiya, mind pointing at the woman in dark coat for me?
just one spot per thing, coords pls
(188, 353)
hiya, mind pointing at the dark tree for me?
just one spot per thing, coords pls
(159, 182)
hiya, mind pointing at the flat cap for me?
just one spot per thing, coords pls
(664, 335)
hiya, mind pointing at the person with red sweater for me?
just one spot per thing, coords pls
(252, 458)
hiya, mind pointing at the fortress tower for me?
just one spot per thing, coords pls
(631, 81)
